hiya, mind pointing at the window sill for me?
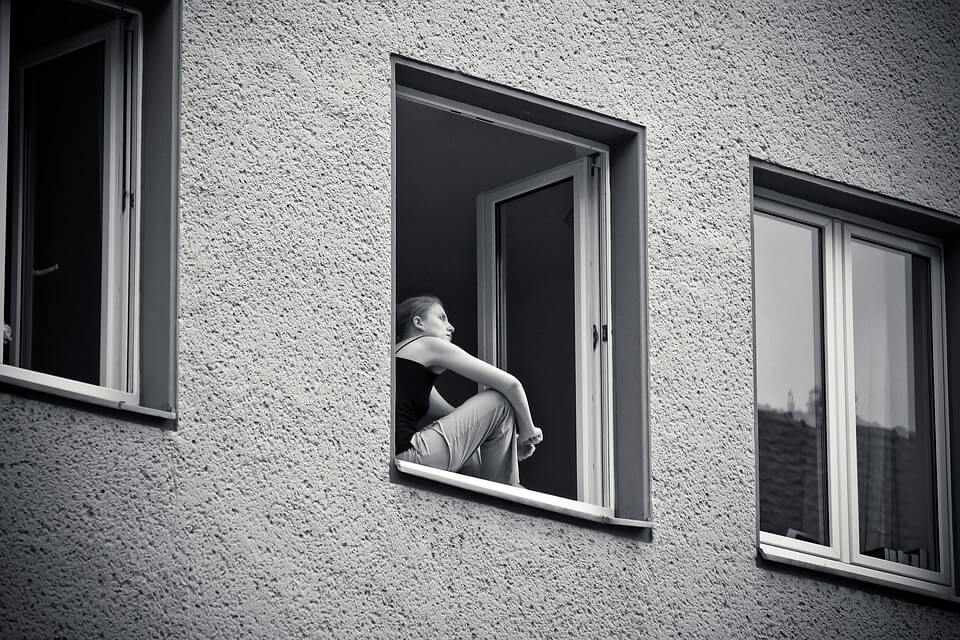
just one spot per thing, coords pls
(866, 574)
(80, 391)
(520, 495)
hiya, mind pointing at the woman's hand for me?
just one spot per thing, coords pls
(527, 445)
(525, 450)
(532, 438)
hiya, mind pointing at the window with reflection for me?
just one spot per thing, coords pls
(896, 456)
(790, 409)
(850, 408)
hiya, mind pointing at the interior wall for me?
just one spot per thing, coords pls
(443, 162)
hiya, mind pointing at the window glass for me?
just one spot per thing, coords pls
(61, 266)
(896, 466)
(790, 380)
(537, 310)
(68, 227)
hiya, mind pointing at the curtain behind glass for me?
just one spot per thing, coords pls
(893, 350)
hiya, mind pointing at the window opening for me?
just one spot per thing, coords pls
(526, 217)
(513, 221)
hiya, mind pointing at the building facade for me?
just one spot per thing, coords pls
(230, 473)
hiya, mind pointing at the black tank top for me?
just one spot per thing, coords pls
(414, 382)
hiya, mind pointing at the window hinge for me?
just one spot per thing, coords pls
(594, 163)
(129, 200)
(604, 334)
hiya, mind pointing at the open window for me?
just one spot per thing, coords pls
(525, 217)
(539, 275)
(89, 223)
(69, 270)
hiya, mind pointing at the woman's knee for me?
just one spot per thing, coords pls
(495, 400)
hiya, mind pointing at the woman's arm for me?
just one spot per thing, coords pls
(439, 406)
(440, 353)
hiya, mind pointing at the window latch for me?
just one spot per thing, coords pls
(603, 334)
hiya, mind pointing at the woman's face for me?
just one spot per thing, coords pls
(434, 323)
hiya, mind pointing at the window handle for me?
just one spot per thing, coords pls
(42, 272)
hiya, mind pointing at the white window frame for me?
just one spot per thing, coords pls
(842, 557)
(120, 297)
(592, 481)
(596, 490)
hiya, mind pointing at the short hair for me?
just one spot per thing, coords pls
(410, 309)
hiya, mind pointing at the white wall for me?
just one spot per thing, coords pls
(270, 511)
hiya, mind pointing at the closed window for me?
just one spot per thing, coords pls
(851, 405)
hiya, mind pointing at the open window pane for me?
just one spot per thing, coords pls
(537, 309)
(896, 462)
(67, 246)
(61, 268)
(790, 380)
(85, 244)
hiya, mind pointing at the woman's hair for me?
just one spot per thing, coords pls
(411, 308)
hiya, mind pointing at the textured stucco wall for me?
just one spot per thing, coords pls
(270, 511)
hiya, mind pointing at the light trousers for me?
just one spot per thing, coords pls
(479, 438)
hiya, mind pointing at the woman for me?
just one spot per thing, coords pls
(486, 435)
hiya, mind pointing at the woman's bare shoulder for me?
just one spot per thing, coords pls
(425, 344)
(434, 351)
(438, 346)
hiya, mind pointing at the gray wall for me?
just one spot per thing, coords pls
(270, 511)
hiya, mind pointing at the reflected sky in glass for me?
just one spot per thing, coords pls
(788, 313)
(883, 335)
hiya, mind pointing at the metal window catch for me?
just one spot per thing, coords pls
(603, 334)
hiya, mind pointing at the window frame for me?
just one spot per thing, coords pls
(839, 228)
(831, 376)
(931, 250)
(540, 117)
(142, 360)
(594, 471)
(118, 254)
